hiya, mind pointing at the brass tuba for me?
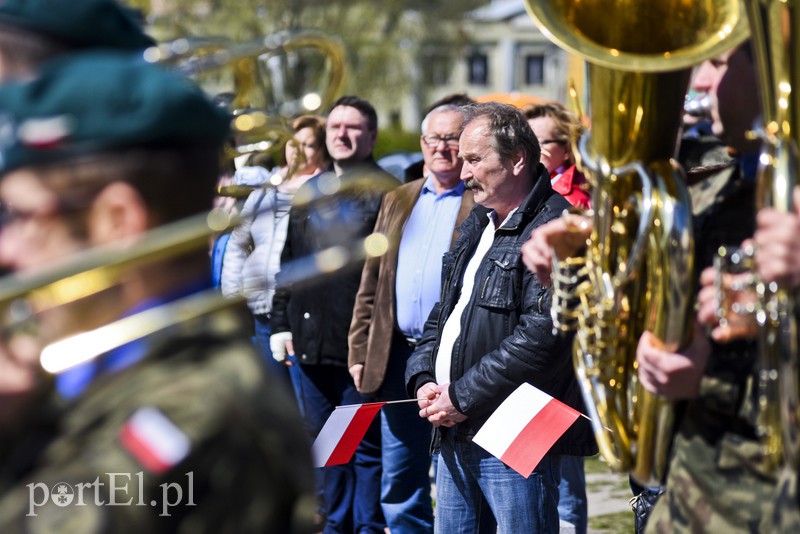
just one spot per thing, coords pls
(637, 272)
(773, 25)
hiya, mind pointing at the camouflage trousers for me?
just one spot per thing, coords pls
(786, 514)
(723, 487)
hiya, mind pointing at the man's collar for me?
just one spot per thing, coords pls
(538, 194)
(493, 217)
(430, 187)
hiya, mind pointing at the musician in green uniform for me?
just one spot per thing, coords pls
(719, 479)
(175, 431)
(777, 246)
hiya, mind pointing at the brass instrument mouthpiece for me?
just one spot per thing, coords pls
(699, 106)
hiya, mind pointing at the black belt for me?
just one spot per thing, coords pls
(412, 342)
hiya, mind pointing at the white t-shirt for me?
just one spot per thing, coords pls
(452, 327)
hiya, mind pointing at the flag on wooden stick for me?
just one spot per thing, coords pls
(342, 432)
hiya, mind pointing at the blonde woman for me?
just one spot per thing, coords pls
(556, 128)
(252, 257)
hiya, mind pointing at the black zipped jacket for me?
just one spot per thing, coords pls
(507, 333)
(314, 298)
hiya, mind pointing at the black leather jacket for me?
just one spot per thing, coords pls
(317, 307)
(506, 331)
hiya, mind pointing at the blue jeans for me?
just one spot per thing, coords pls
(351, 491)
(572, 506)
(405, 439)
(477, 493)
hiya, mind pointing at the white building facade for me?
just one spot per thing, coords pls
(502, 51)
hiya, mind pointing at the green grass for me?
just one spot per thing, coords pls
(601, 480)
(620, 486)
(594, 464)
(619, 523)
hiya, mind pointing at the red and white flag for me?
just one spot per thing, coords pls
(524, 428)
(154, 440)
(343, 431)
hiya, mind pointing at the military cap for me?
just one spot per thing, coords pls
(78, 23)
(99, 101)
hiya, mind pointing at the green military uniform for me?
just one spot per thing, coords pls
(786, 514)
(245, 466)
(190, 435)
(719, 480)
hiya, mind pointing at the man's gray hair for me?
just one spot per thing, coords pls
(439, 109)
(508, 128)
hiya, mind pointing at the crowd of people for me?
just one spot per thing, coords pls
(205, 424)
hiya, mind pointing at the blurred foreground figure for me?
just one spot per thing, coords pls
(35, 31)
(178, 431)
(720, 479)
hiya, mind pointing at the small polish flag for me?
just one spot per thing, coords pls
(524, 427)
(343, 431)
(155, 441)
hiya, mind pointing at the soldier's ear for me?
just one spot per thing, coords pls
(118, 212)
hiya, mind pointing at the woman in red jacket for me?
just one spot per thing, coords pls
(555, 128)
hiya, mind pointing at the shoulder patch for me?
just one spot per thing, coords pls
(154, 440)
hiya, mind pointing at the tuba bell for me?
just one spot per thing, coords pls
(636, 274)
(268, 73)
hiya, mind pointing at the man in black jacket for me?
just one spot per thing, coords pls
(329, 214)
(491, 332)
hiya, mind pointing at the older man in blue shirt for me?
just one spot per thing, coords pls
(397, 292)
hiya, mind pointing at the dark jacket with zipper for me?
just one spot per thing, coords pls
(506, 334)
(314, 299)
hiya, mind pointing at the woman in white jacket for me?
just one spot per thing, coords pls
(252, 257)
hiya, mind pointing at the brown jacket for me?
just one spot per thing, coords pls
(374, 322)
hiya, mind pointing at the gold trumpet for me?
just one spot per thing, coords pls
(773, 26)
(636, 274)
(257, 128)
(25, 295)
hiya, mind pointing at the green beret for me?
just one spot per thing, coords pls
(98, 101)
(78, 23)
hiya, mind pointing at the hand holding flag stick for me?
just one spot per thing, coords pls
(519, 433)
(435, 405)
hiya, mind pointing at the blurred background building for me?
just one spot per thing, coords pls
(401, 54)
